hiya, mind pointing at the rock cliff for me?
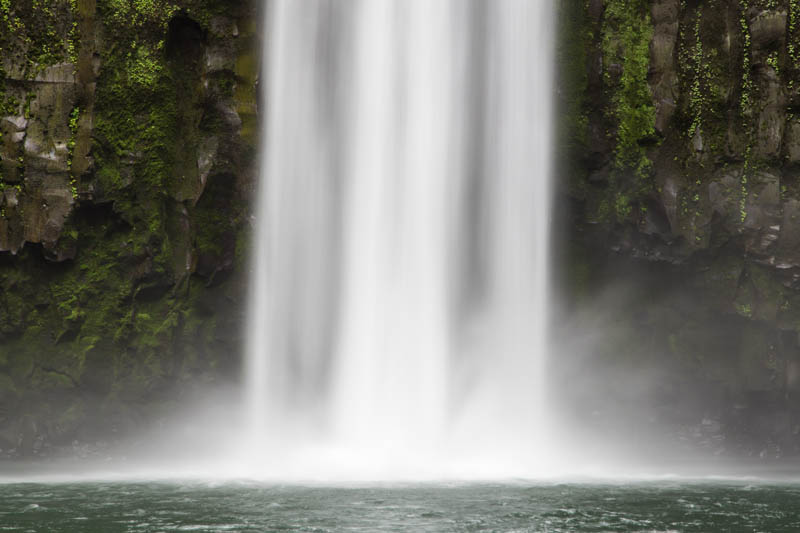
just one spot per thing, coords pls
(127, 146)
(682, 127)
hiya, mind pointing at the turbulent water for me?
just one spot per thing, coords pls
(398, 324)
(117, 507)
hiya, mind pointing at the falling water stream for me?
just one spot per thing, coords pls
(399, 306)
(397, 363)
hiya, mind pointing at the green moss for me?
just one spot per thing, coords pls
(145, 67)
(699, 84)
(744, 309)
(747, 80)
(627, 31)
(91, 293)
(622, 207)
(122, 318)
(746, 109)
(37, 32)
(73, 132)
(743, 186)
(792, 45)
(135, 108)
(136, 16)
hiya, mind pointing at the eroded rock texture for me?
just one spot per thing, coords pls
(127, 142)
(682, 120)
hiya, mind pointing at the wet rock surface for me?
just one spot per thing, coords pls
(127, 149)
(703, 216)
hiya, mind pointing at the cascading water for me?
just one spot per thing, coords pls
(400, 279)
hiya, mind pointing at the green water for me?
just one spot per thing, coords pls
(150, 507)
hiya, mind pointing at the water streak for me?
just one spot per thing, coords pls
(399, 307)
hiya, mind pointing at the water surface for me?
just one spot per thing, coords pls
(110, 507)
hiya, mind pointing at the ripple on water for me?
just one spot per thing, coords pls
(236, 507)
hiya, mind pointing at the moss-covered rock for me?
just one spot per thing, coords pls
(711, 100)
(127, 149)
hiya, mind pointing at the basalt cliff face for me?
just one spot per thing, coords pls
(127, 148)
(681, 137)
(127, 158)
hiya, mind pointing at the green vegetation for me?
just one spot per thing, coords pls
(698, 89)
(118, 305)
(745, 106)
(73, 130)
(747, 81)
(623, 35)
(699, 62)
(37, 32)
(627, 32)
(792, 36)
(743, 184)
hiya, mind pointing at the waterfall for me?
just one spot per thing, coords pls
(399, 304)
